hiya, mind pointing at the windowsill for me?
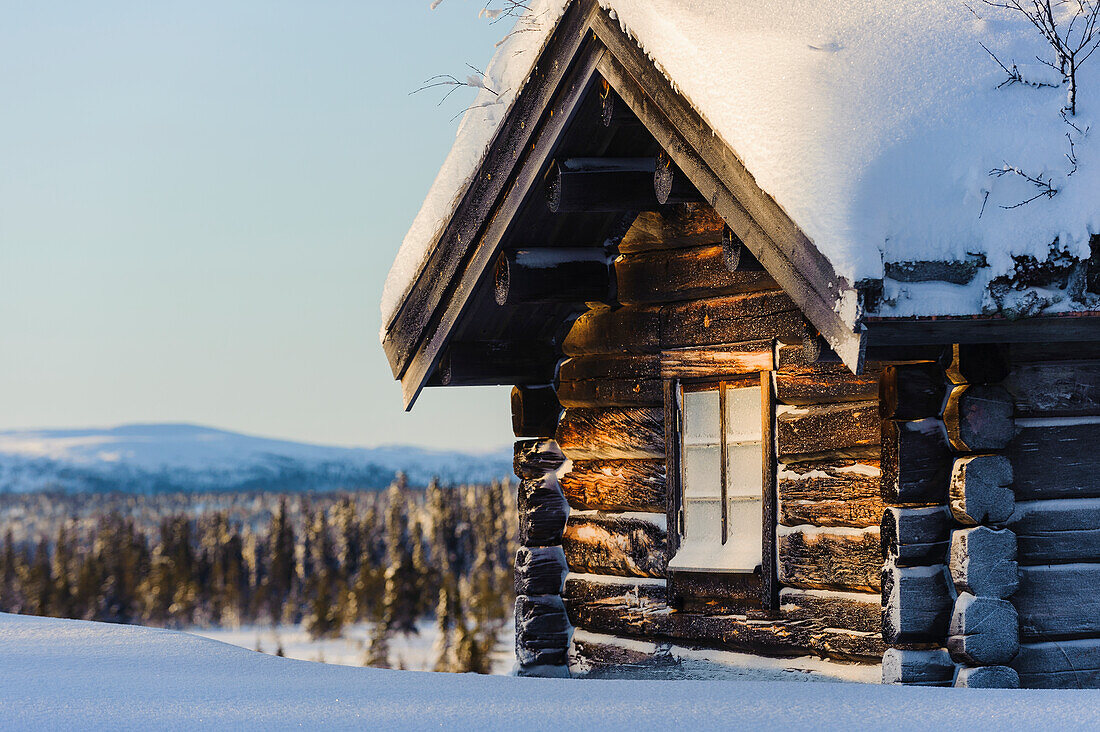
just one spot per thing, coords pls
(709, 558)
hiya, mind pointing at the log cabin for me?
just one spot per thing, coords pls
(732, 433)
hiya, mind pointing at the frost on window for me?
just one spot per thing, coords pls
(711, 541)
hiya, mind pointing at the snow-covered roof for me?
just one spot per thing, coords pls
(875, 124)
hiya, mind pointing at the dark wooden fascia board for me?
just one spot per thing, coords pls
(1069, 327)
(416, 321)
(526, 175)
(716, 171)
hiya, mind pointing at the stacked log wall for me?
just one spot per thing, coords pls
(950, 563)
(1056, 518)
(676, 290)
(543, 632)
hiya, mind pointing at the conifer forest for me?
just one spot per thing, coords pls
(391, 558)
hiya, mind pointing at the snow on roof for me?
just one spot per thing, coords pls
(70, 674)
(875, 124)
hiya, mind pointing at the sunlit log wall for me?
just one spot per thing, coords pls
(682, 284)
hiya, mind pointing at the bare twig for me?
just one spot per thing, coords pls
(1014, 75)
(1044, 184)
(473, 81)
(1073, 43)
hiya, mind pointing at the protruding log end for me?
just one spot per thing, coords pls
(979, 418)
(981, 490)
(983, 562)
(670, 184)
(535, 411)
(912, 391)
(984, 631)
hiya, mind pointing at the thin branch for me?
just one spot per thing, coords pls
(1044, 184)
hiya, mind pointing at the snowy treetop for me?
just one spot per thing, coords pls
(884, 128)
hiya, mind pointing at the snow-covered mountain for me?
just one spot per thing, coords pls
(150, 458)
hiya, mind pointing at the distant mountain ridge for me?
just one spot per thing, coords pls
(157, 458)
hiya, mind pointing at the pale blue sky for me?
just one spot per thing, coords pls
(199, 202)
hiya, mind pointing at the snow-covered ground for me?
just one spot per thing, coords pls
(410, 653)
(68, 674)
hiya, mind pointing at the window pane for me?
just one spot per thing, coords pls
(743, 414)
(746, 533)
(744, 470)
(701, 420)
(703, 522)
(702, 472)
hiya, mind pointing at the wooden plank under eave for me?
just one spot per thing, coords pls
(427, 355)
(786, 253)
(1068, 327)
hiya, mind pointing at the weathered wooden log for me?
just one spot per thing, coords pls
(592, 393)
(987, 677)
(542, 630)
(540, 570)
(730, 319)
(1057, 532)
(611, 366)
(1055, 459)
(649, 328)
(634, 329)
(824, 383)
(715, 362)
(674, 227)
(984, 631)
(633, 591)
(981, 490)
(1060, 601)
(553, 275)
(912, 391)
(616, 485)
(915, 537)
(612, 434)
(979, 418)
(497, 363)
(684, 274)
(975, 363)
(535, 411)
(1058, 389)
(536, 458)
(670, 184)
(781, 637)
(983, 562)
(604, 380)
(830, 492)
(955, 271)
(1073, 664)
(614, 544)
(916, 462)
(542, 511)
(601, 185)
(845, 559)
(858, 611)
(827, 427)
(917, 667)
(917, 604)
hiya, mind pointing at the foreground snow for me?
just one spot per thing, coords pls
(73, 674)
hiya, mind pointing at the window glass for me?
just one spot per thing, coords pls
(701, 421)
(702, 546)
(702, 472)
